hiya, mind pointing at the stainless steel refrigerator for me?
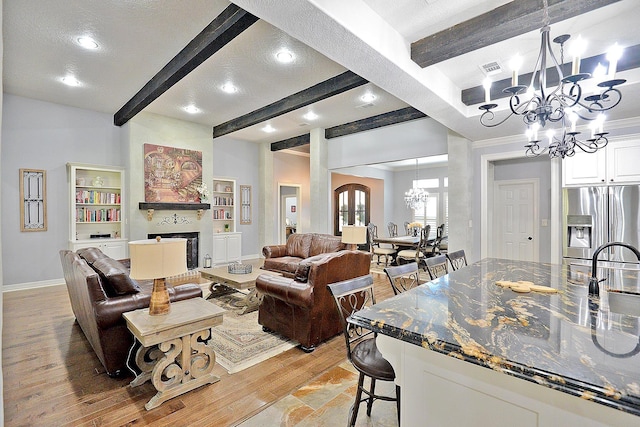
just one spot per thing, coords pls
(593, 216)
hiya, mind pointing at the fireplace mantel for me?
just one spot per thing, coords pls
(151, 207)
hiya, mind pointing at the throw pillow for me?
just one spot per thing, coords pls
(116, 276)
(91, 255)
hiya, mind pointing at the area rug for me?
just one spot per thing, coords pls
(379, 269)
(240, 342)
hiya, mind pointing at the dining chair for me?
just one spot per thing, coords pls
(457, 259)
(403, 277)
(406, 228)
(436, 266)
(350, 296)
(375, 248)
(393, 229)
(419, 253)
(436, 244)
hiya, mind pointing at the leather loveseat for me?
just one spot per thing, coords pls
(302, 308)
(100, 290)
(286, 258)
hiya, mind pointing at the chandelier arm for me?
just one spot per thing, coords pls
(488, 116)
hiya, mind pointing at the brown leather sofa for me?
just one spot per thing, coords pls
(286, 258)
(100, 290)
(302, 308)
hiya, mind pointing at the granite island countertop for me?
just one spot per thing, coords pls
(566, 341)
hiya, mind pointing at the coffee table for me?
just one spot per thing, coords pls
(222, 281)
(174, 354)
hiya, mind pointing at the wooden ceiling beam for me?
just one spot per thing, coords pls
(386, 119)
(224, 28)
(502, 23)
(296, 141)
(630, 60)
(328, 88)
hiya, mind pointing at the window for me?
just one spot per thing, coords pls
(436, 209)
(351, 206)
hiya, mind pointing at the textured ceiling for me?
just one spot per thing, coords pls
(369, 37)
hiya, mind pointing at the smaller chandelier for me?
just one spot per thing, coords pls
(415, 198)
(539, 105)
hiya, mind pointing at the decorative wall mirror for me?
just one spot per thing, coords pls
(33, 201)
(245, 204)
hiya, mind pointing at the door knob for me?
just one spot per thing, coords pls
(529, 238)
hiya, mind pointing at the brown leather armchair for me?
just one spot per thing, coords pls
(100, 291)
(302, 308)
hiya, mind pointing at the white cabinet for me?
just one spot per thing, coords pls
(97, 208)
(616, 163)
(227, 247)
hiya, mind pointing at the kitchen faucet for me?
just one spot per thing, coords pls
(594, 289)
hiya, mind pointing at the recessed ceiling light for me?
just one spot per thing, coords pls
(70, 81)
(87, 43)
(284, 56)
(268, 129)
(310, 116)
(191, 109)
(368, 97)
(229, 88)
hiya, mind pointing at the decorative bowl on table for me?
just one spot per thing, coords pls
(239, 268)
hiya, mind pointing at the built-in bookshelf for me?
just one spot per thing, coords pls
(223, 205)
(96, 195)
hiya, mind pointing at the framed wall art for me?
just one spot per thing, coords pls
(245, 204)
(33, 200)
(172, 175)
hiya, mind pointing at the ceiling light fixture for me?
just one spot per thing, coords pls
(268, 129)
(310, 116)
(191, 109)
(539, 104)
(368, 97)
(229, 88)
(284, 56)
(70, 81)
(87, 42)
(415, 198)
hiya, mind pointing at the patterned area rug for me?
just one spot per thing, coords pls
(240, 342)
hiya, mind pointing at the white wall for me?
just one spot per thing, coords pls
(43, 135)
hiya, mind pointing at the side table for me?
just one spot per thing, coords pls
(174, 354)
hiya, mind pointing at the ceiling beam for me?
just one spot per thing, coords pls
(386, 119)
(502, 23)
(224, 28)
(630, 60)
(326, 89)
(296, 141)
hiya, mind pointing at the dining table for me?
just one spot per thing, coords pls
(404, 241)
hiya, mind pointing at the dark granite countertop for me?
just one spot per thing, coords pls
(566, 341)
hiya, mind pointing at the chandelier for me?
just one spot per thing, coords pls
(539, 104)
(415, 198)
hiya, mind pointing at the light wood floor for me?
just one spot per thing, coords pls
(53, 378)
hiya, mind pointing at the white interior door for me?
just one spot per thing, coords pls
(515, 233)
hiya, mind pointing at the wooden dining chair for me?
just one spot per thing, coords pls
(436, 266)
(406, 228)
(403, 277)
(387, 252)
(457, 259)
(419, 253)
(393, 229)
(350, 296)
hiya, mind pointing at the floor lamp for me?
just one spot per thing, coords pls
(158, 259)
(354, 235)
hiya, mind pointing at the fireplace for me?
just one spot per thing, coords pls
(192, 245)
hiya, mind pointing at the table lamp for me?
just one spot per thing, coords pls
(158, 259)
(354, 235)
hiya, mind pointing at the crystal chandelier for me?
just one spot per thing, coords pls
(415, 198)
(539, 105)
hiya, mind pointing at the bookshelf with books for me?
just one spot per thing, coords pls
(227, 241)
(96, 195)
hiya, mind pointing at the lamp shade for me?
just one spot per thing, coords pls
(153, 259)
(354, 235)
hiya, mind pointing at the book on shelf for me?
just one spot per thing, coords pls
(97, 215)
(97, 197)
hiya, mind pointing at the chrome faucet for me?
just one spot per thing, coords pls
(594, 289)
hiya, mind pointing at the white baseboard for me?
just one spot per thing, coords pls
(32, 285)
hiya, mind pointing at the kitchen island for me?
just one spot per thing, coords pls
(469, 352)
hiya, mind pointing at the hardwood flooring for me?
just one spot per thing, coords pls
(53, 378)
